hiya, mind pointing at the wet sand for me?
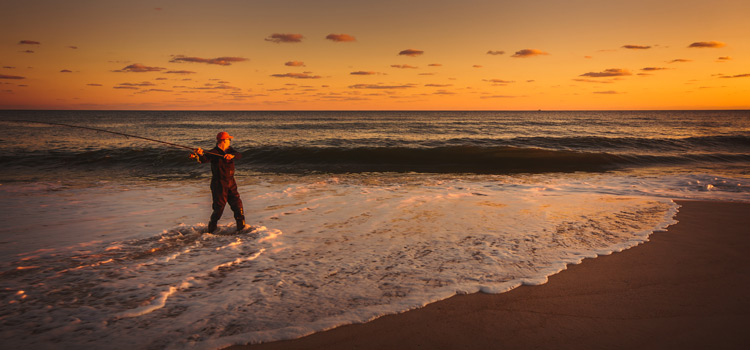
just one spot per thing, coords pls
(687, 288)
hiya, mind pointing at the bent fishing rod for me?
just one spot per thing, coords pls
(116, 133)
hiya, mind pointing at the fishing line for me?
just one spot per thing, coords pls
(116, 133)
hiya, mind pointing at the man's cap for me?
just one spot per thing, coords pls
(223, 135)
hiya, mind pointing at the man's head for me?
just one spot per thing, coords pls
(223, 140)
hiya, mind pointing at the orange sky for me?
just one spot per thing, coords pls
(352, 55)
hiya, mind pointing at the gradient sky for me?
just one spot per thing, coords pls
(352, 55)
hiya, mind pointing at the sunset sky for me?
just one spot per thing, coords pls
(395, 55)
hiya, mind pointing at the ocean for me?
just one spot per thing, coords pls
(355, 214)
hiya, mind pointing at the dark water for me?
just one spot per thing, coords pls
(353, 142)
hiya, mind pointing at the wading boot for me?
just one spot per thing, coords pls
(212, 226)
(240, 225)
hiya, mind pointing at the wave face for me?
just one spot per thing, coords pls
(354, 142)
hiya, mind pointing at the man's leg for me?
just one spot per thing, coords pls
(219, 202)
(233, 198)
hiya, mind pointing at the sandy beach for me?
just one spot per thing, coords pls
(684, 289)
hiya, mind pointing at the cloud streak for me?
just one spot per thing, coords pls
(411, 52)
(612, 72)
(29, 42)
(525, 53)
(14, 77)
(636, 47)
(284, 38)
(340, 38)
(495, 53)
(296, 76)
(222, 61)
(707, 44)
(139, 68)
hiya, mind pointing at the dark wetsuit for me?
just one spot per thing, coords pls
(223, 186)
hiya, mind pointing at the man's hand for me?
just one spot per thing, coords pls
(199, 151)
(229, 156)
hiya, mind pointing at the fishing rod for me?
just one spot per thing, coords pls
(117, 133)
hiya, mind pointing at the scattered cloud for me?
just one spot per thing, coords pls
(125, 87)
(28, 51)
(403, 66)
(593, 81)
(477, 66)
(499, 81)
(340, 38)
(222, 61)
(707, 44)
(497, 96)
(435, 65)
(529, 53)
(66, 71)
(73, 47)
(305, 75)
(680, 60)
(139, 68)
(94, 84)
(612, 72)
(411, 52)
(735, 76)
(295, 64)
(438, 85)
(142, 84)
(183, 72)
(29, 42)
(380, 87)
(285, 38)
(363, 73)
(3, 76)
(636, 47)
(652, 69)
(609, 92)
(495, 53)
(724, 59)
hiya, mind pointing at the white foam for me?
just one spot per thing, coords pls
(325, 252)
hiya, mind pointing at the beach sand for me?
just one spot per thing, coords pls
(687, 288)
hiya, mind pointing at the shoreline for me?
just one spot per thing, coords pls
(686, 288)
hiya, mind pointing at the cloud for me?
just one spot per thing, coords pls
(609, 92)
(340, 38)
(73, 47)
(125, 87)
(529, 53)
(724, 59)
(477, 66)
(403, 66)
(612, 72)
(363, 73)
(296, 76)
(380, 87)
(435, 65)
(93, 84)
(143, 84)
(66, 71)
(29, 42)
(707, 44)
(222, 61)
(499, 81)
(295, 64)
(411, 52)
(735, 76)
(680, 60)
(139, 68)
(593, 81)
(497, 96)
(285, 38)
(438, 85)
(3, 76)
(652, 69)
(495, 53)
(28, 51)
(183, 72)
(636, 47)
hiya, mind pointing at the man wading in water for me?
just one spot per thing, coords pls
(223, 186)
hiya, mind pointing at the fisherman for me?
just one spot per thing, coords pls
(223, 186)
